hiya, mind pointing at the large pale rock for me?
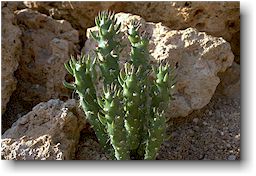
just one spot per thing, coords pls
(50, 131)
(199, 57)
(11, 51)
(220, 19)
(47, 44)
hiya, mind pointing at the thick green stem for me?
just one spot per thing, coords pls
(108, 47)
(114, 120)
(156, 134)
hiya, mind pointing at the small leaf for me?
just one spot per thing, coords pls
(71, 64)
(78, 67)
(112, 16)
(68, 68)
(97, 22)
(122, 76)
(73, 59)
(100, 32)
(100, 103)
(111, 27)
(115, 21)
(68, 85)
(165, 77)
(120, 80)
(102, 119)
(118, 27)
(93, 35)
(100, 15)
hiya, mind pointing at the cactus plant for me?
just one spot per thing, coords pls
(128, 116)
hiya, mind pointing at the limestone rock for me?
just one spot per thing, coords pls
(11, 51)
(220, 19)
(80, 14)
(50, 131)
(215, 18)
(199, 57)
(47, 44)
(27, 148)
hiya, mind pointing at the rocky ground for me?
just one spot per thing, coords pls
(212, 133)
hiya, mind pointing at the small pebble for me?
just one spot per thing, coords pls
(174, 134)
(194, 148)
(204, 123)
(210, 113)
(232, 157)
(225, 128)
(167, 144)
(190, 131)
(217, 112)
(228, 145)
(211, 146)
(195, 120)
(237, 136)
(213, 130)
(196, 128)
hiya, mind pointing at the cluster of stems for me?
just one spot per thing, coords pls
(128, 116)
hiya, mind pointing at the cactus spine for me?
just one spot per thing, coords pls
(128, 117)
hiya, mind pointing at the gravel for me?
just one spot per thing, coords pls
(212, 133)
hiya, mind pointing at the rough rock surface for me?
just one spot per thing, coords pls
(27, 148)
(199, 57)
(50, 131)
(80, 14)
(220, 19)
(47, 44)
(11, 50)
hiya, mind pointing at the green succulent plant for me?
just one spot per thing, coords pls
(128, 116)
